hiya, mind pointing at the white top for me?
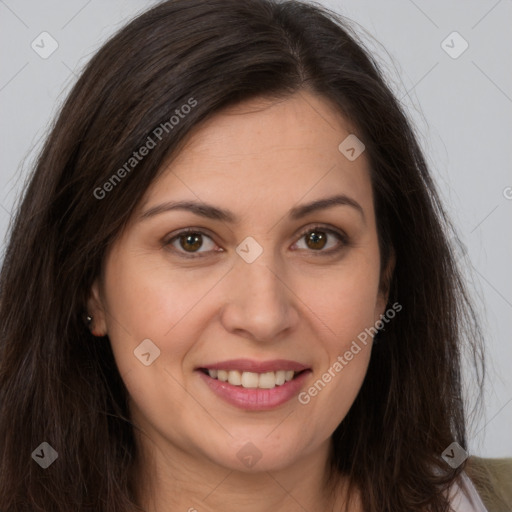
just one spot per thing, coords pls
(466, 501)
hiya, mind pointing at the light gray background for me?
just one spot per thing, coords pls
(461, 108)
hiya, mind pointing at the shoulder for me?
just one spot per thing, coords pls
(485, 485)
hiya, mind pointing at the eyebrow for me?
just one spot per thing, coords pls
(213, 212)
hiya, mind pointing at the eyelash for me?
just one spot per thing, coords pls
(342, 237)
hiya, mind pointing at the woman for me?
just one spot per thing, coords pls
(228, 285)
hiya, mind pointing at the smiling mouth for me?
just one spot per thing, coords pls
(253, 380)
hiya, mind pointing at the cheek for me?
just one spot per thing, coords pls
(348, 316)
(344, 300)
(329, 396)
(145, 302)
(139, 307)
(152, 296)
(147, 299)
(344, 306)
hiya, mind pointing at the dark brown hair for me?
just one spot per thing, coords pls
(60, 385)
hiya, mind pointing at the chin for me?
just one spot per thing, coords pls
(259, 455)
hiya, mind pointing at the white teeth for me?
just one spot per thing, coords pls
(267, 380)
(280, 377)
(234, 377)
(250, 380)
(222, 375)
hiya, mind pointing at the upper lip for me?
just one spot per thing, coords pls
(249, 365)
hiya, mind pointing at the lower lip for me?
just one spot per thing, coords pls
(256, 399)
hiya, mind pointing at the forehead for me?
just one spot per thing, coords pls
(264, 153)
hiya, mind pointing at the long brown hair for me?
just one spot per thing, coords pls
(60, 385)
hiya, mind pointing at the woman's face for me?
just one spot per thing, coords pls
(276, 283)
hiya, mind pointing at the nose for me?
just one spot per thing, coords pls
(260, 304)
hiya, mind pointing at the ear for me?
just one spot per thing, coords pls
(385, 285)
(96, 309)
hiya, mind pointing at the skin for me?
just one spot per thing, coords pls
(258, 160)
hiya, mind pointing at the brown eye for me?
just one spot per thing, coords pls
(316, 240)
(189, 242)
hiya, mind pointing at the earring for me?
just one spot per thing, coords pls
(88, 319)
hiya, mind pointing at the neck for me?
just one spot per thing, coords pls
(170, 479)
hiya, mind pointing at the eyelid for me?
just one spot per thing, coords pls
(169, 239)
(342, 237)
